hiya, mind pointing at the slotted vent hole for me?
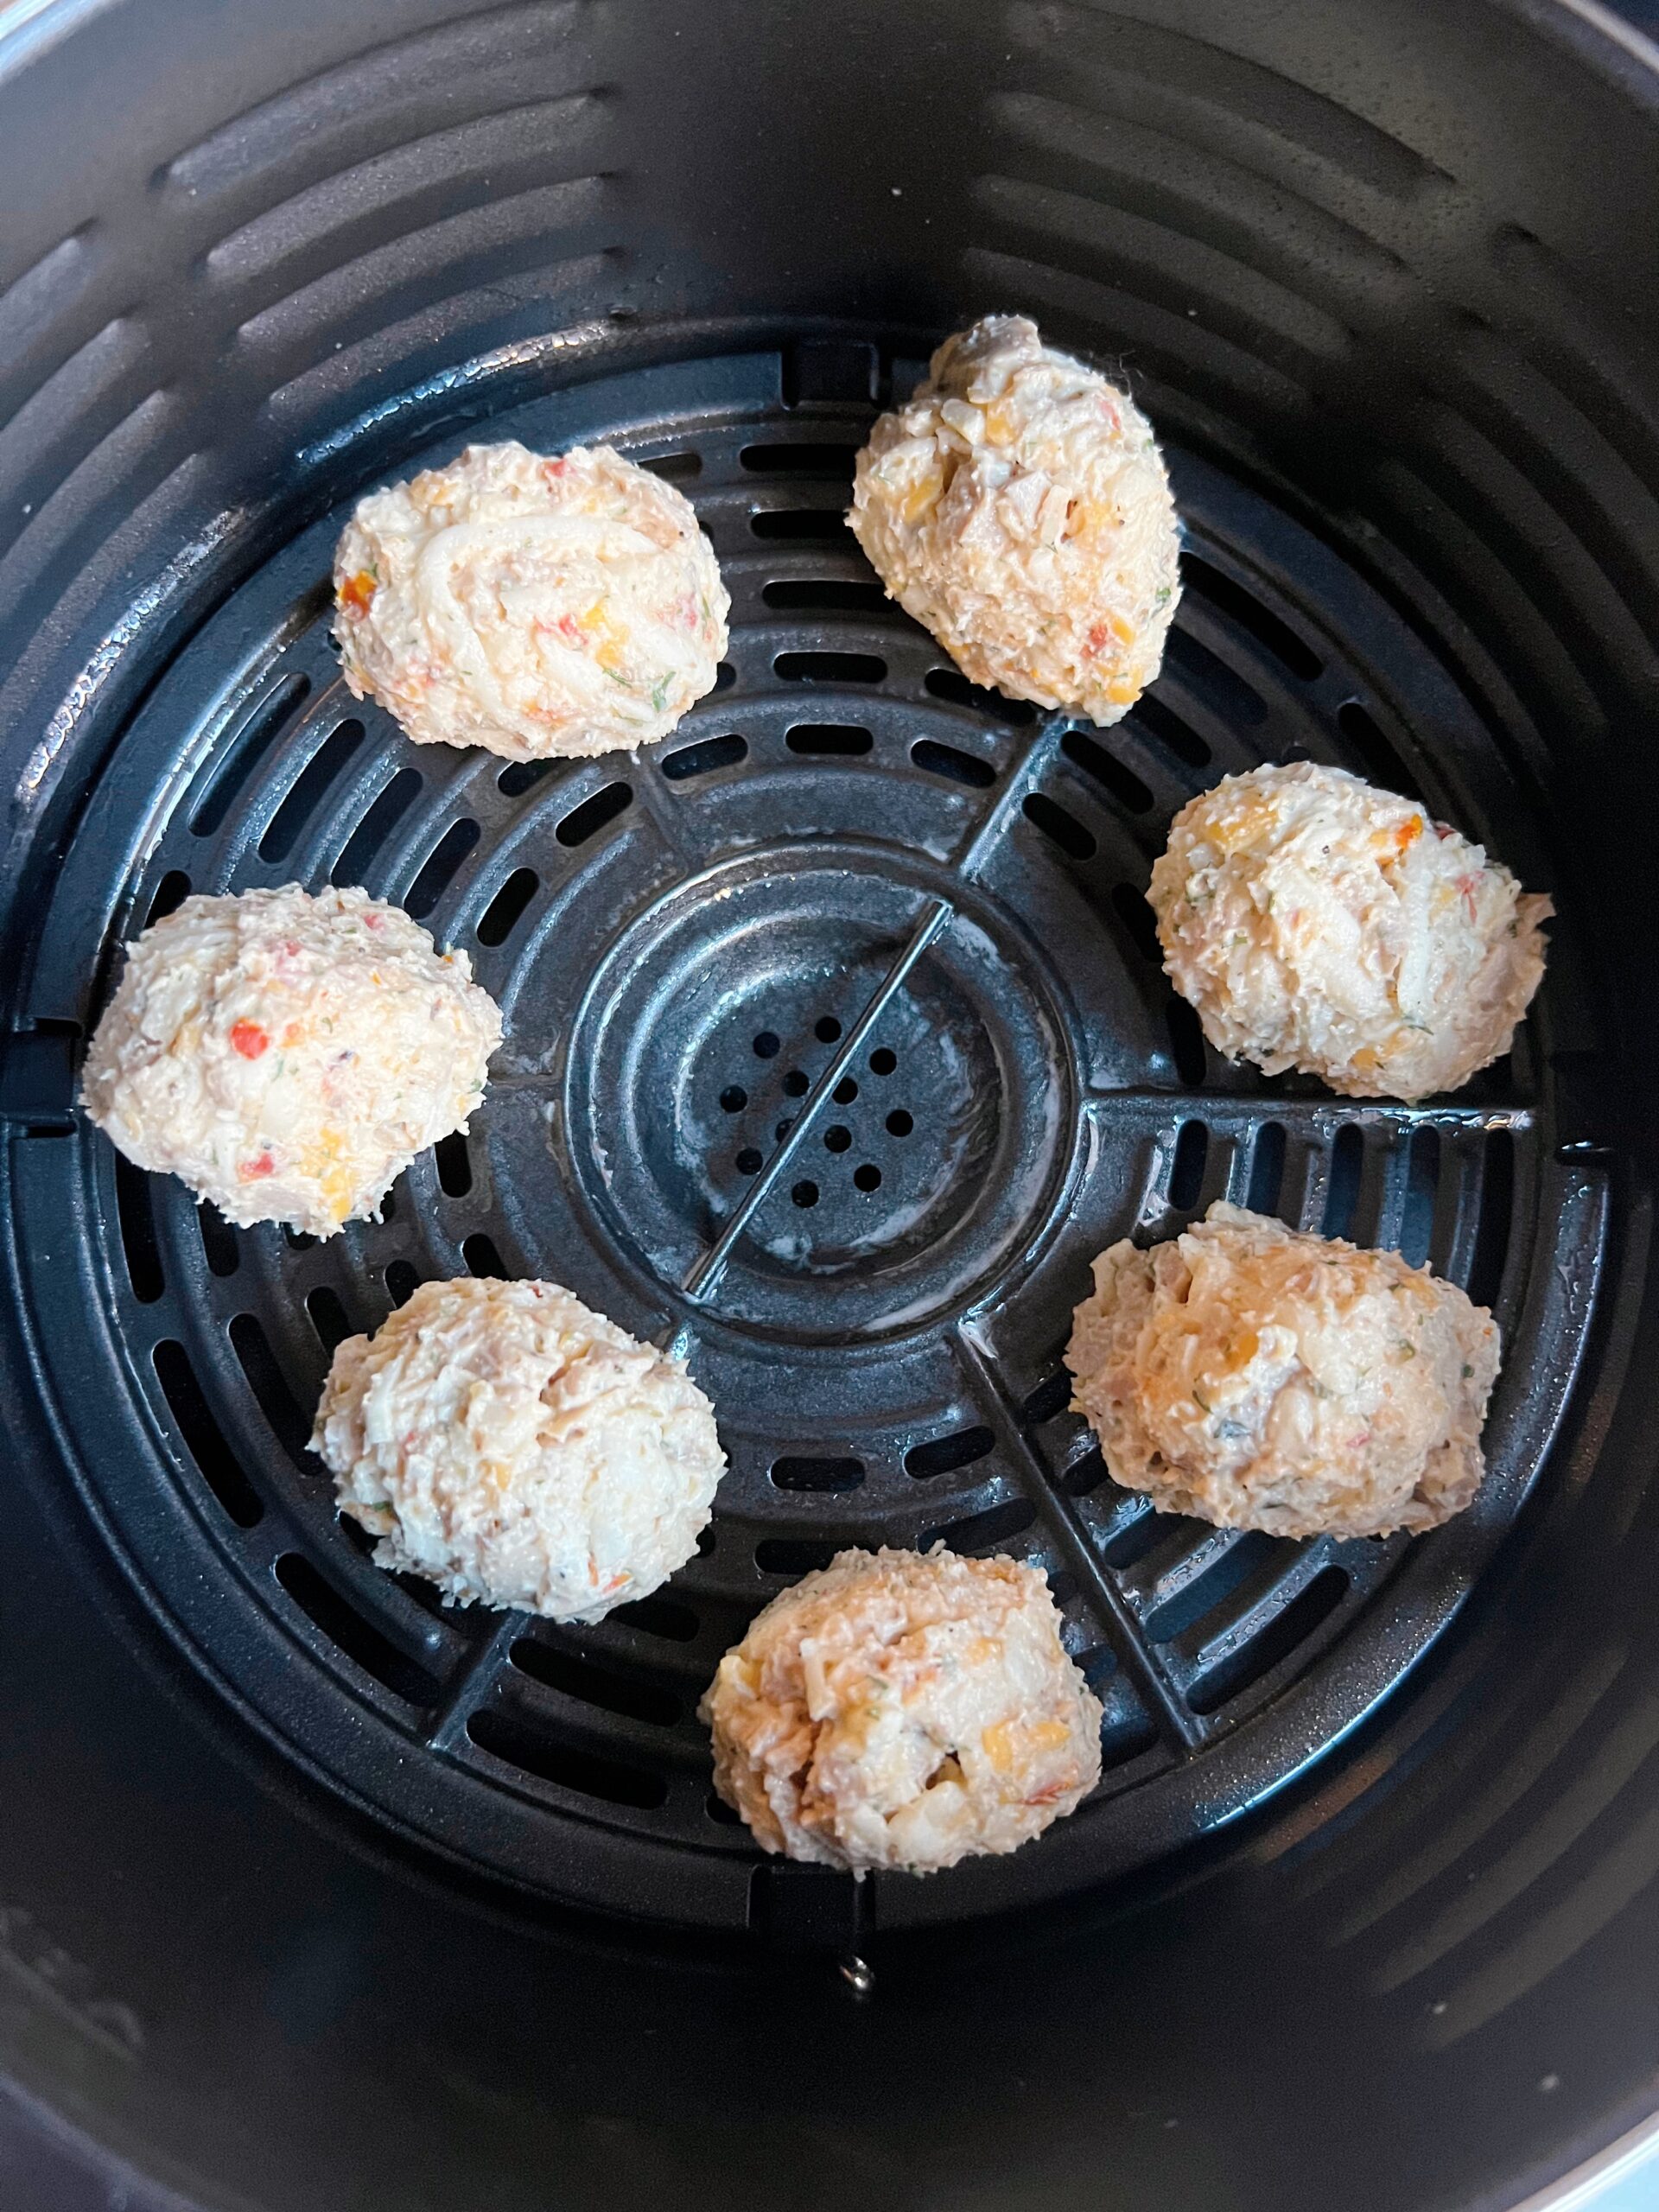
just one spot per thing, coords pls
(1166, 727)
(204, 1440)
(1382, 760)
(335, 1617)
(1267, 1168)
(1305, 1612)
(1105, 769)
(949, 684)
(657, 1615)
(1232, 1565)
(584, 1772)
(1186, 1173)
(402, 1281)
(955, 766)
(1241, 607)
(1219, 687)
(824, 596)
(1060, 828)
(702, 759)
(1342, 1192)
(586, 820)
(269, 1385)
(506, 909)
(982, 1530)
(305, 796)
(1134, 911)
(822, 524)
(441, 867)
(239, 762)
(1497, 1203)
(830, 741)
(1049, 1398)
(170, 895)
(1141, 1534)
(328, 1317)
(795, 1554)
(799, 460)
(1422, 1182)
(563, 1671)
(675, 467)
(520, 777)
(482, 1259)
(808, 1473)
(829, 668)
(376, 827)
(1085, 1475)
(947, 1455)
(135, 1214)
(1187, 1042)
(454, 1165)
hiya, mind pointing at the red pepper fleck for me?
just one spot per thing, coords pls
(358, 592)
(252, 1170)
(552, 468)
(569, 629)
(249, 1039)
(1096, 641)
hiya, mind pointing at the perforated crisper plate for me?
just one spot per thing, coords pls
(683, 943)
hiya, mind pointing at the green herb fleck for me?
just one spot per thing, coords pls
(1468, 1374)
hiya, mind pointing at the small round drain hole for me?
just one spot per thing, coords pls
(784, 1126)
(898, 1124)
(796, 1084)
(734, 1098)
(845, 1091)
(826, 1029)
(805, 1194)
(767, 1046)
(837, 1139)
(882, 1062)
(868, 1178)
(748, 1161)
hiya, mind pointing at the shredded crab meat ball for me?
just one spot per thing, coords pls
(288, 1056)
(1318, 923)
(903, 1710)
(1018, 507)
(534, 607)
(1261, 1378)
(519, 1450)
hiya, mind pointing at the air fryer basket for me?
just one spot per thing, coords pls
(838, 1044)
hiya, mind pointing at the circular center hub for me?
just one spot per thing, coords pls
(702, 1051)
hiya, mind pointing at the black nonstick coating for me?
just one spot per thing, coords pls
(314, 1895)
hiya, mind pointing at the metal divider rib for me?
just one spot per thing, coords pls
(1179, 1726)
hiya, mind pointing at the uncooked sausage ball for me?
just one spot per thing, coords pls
(533, 607)
(904, 1710)
(287, 1056)
(1261, 1378)
(1018, 507)
(1316, 922)
(518, 1449)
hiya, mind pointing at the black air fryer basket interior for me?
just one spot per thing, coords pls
(314, 1896)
